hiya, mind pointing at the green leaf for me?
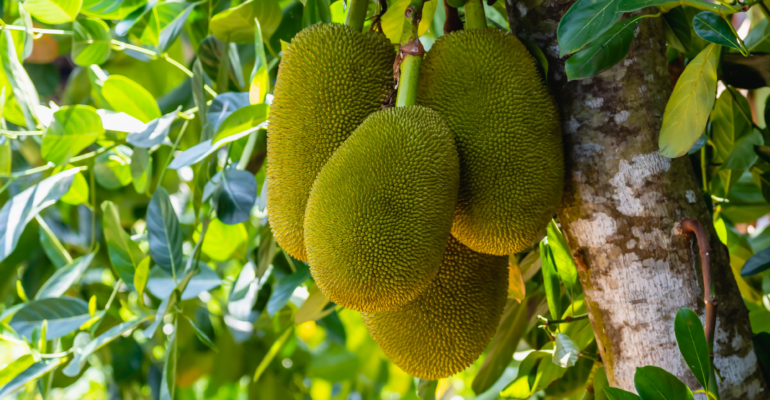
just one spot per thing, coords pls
(110, 9)
(235, 196)
(79, 191)
(141, 275)
(14, 368)
(762, 348)
(161, 284)
(202, 335)
(620, 394)
(314, 307)
(224, 105)
(585, 21)
(22, 98)
(90, 41)
(164, 233)
(125, 255)
(633, 5)
(64, 315)
(550, 281)
(271, 353)
(22, 208)
(73, 129)
(655, 383)
(715, 29)
(393, 20)
(137, 15)
(600, 384)
(6, 155)
(536, 372)
(51, 245)
(197, 153)
(758, 263)
(154, 132)
(199, 95)
(603, 53)
(758, 39)
(426, 389)
(243, 119)
(53, 11)
(113, 168)
(730, 122)
(513, 325)
(141, 169)
(283, 290)
(77, 363)
(692, 344)
(165, 24)
(688, 109)
(125, 95)
(168, 378)
(267, 249)
(742, 155)
(30, 374)
(223, 242)
(237, 24)
(58, 284)
(565, 353)
(562, 259)
(28, 43)
(679, 32)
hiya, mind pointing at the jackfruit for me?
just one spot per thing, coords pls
(380, 210)
(487, 87)
(330, 79)
(445, 329)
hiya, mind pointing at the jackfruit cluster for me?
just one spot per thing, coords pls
(407, 214)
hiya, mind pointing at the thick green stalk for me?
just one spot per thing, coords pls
(412, 51)
(356, 14)
(474, 15)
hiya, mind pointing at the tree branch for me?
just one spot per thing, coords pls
(694, 226)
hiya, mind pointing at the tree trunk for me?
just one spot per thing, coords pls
(622, 209)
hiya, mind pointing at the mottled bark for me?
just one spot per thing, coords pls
(622, 209)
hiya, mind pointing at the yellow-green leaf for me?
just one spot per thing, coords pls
(688, 109)
(141, 274)
(53, 11)
(92, 306)
(259, 86)
(125, 95)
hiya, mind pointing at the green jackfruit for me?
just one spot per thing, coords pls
(487, 87)
(380, 210)
(330, 79)
(445, 329)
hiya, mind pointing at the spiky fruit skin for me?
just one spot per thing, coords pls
(380, 210)
(486, 86)
(330, 79)
(447, 327)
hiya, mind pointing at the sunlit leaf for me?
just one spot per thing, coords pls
(77, 363)
(243, 119)
(620, 394)
(688, 109)
(66, 276)
(125, 95)
(73, 129)
(237, 24)
(164, 233)
(393, 21)
(154, 132)
(223, 242)
(565, 352)
(551, 281)
(516, 289)
(713, 28)
(259, 86)
(30, 374)
(161, 283)
(51, 245)
(655, 383)
(124, 253)
(562, 259)
(21, 95)
(585, 21)
(165, 24)
(90, 41)
(113, 168)
(141, 169)
(14, 368)
(63, 314)
(692, 344)
(314, 307)
(283, 290)
(535, 373)
(53, 11)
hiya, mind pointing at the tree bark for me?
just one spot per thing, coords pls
(622, 210)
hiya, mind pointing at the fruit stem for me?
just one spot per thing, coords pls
(410, 53)
(357, 14)
(474, 15)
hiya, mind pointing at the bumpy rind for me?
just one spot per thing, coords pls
(486, 86)
(330, 79)
(448, 326)
(381, 209)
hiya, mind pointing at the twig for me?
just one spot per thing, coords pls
(566, 320)
(695, 227)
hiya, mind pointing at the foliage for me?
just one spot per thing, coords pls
(135, 254)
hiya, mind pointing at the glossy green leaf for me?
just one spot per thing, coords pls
(14, 368)
(141, 169)
(562, 259)
(551, 281)
(565, 352)
(53, 11)
(77, 363)
(758, 263)
(634, 5)
(536, 372)
(393, 20)
(21, 95)
(620, 394)
(605, 52)
(110, 9)
(164, 233)
(692, 344)
(197, 153)
(283, 290)
(141, 275)
(224, 105)
(58, 284)
(223, 242)
(154, 132)
(73, 129)
(758, 39)
(79, 191)
(202, 335)
(124, 253)
(513, 325)
(161, 284)
(688, 109)
(165, 24)
(25, 49)
(235, 196)
(51, 245)
(30, 374)
(243, 119)
(237, 24)
(125, 95)
(730, 123)
(679, 32)
(713, 28)
(63, 314)
(742, 155)
(90, 41)
(585, 21)
(654, 383)
(199, 94)
(113, 168)
(134, 17)
(22, 208)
